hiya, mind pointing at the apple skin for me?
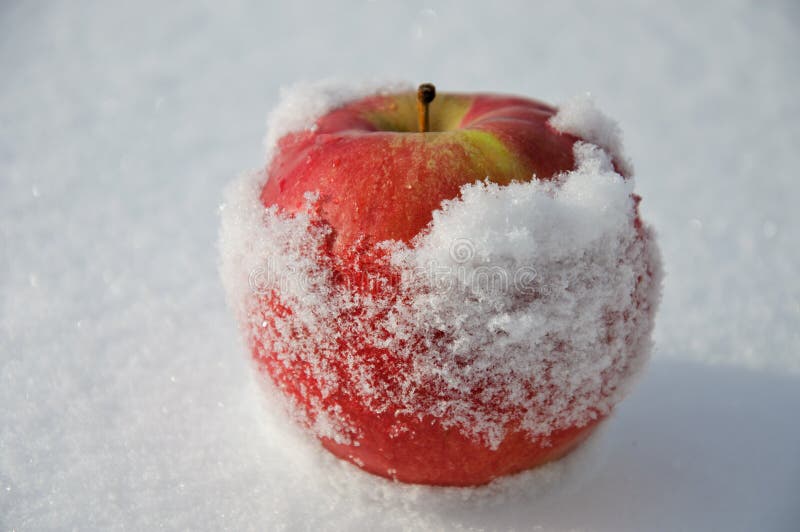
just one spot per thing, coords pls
(379, 179)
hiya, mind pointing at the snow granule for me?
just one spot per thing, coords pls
(532, 301)
(581, 117)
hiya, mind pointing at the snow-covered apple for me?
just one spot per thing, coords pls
(446, 288)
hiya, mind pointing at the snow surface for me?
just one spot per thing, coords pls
(126, 399)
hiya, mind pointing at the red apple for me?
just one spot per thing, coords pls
(378, 178)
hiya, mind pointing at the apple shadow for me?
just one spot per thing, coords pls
(694, 447)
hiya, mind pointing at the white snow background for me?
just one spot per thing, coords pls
(126, 399)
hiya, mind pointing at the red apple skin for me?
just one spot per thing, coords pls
(378, 179)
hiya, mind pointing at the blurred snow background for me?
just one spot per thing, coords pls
(126, 397)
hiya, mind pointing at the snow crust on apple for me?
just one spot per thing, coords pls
(528, 305)
(581, 117)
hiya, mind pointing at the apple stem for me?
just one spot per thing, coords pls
(425, 95)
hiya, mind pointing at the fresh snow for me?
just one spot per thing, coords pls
(127, 397)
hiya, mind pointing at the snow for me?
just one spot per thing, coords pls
(127, 400)
(580, 116)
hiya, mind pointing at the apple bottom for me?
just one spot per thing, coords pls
(444, 457)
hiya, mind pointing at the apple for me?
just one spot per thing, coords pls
(378, 168)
